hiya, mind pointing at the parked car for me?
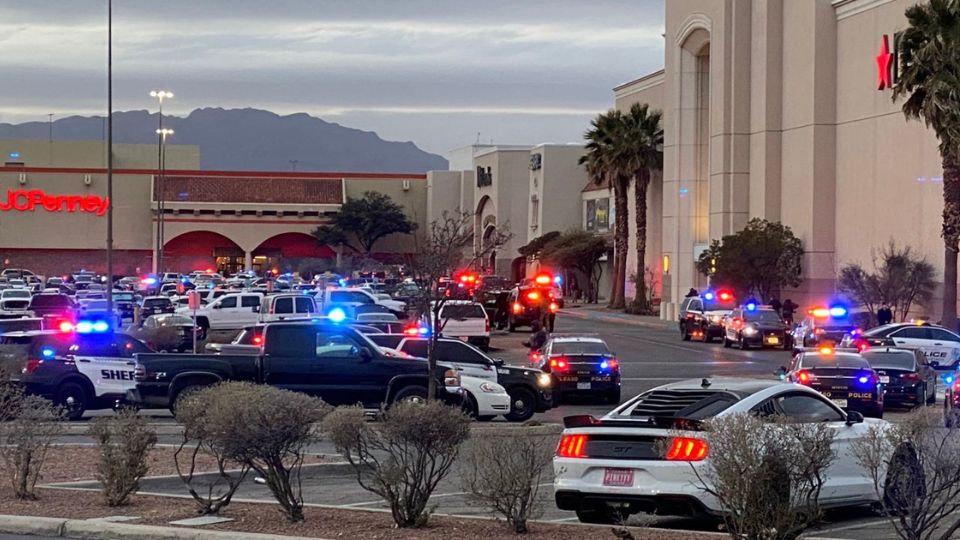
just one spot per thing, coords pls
(53, 308)
(464, 320)
(844, 377)
(701, 317)
(611, 467)
(182, 324)
(582, 366)
(15, 303)
(287, 306)
(229, 312)
(330, 361)
(752, 325)
(908, 378)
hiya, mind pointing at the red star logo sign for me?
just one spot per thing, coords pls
(884, 61)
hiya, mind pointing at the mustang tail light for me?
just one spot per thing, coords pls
(687, 449)
(572, 446)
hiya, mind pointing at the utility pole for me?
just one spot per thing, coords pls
(109, 159)
(293, 164)
(159, 178)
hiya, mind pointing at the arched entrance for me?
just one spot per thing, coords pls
(202, 250)
(293, 252)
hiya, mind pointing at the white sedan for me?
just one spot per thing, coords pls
(617, 461)
(487, 399)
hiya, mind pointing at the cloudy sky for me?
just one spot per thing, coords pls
(436, 72)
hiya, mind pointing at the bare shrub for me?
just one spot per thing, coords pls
(403, 458)
(915, 469)
(766, 475)
(201, 413)
(33, 424)
(124, 441)
(11, 393)
(504, 471)
(268, 430)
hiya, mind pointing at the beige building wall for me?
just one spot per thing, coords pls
(557, 185)
(505, 203)
(409, 193)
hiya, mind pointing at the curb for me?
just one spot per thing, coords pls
(97, 529)
(619, 320)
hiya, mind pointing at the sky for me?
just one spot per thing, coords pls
(440, 73)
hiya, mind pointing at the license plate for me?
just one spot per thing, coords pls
(584, 386)
(884, 379)
(773, 340)
(618, 477)
(842, 403)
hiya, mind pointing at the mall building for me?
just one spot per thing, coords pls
(782, 109)
(53, 211)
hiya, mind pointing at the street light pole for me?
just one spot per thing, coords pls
(163, 133)
(110, 158)
(160, 95)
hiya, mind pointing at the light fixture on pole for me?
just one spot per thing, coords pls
(159, 95)
(163, 133)
(110, 157)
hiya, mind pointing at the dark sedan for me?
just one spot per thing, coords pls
(906, 376)
(183, 326)
(582, 366)
(846, 378)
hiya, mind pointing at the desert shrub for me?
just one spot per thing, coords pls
(915, 469)
(404, 457)
(201, 413)
(767, 475)
(124, 442)
(504, 471)
(33, 424)
(268, 430)
(11, 393)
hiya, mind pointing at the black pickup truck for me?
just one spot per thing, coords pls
(333, 362)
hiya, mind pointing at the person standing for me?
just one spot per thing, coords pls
(787, 309)
(884, 314)
(776, 305)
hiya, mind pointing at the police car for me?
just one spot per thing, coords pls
(940, 346)
(81, 368)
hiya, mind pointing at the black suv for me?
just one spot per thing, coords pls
(701, 317)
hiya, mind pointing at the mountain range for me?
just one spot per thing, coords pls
(249, 140)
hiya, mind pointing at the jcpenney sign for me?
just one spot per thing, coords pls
(29, 200)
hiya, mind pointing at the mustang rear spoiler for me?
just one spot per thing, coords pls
(663, 422)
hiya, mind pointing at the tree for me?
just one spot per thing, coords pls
(532, 249)
(644, 150)
(577, 250)
(899, 278)
(362, 222)
(606, 164)
(758, 260)
(438, 253)
(930, 82)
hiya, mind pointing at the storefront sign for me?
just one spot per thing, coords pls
(28, 200)
(889, 62)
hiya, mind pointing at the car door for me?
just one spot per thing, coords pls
(845, 479)
(946, 347)
(289, 361)
(466, 360)
(248, 311)
(222, 311)
(927, 373)
(105, 362)
(921, 338)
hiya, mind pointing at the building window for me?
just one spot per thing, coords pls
(598, 214)
(484, 176)
(534, 212)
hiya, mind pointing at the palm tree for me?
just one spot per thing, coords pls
(605, 164)
(643, 147)
(930, 81)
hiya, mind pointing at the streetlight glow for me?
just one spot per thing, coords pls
(161, 94)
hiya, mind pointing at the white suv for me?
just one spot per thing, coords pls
(463, 320)
(229, 312)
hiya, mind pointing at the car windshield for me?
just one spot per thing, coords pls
(16, 294)
(904, 360)
(156, 302)
(123, 297)
(719, 305)
(50, 300)
(96, 305)
(839, 361)
(882, 331)
(174, 320)
(462, 311)
(761, 316)
(579, 348)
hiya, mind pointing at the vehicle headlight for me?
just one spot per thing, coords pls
(491, 388)
(749, 331)
(715, 319)
(451, 378)
(544, 380)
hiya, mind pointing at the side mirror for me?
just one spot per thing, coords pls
(854, 417)
(364, 355)
(498, 362)
(217, 306)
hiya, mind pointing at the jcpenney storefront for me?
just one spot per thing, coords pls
(782, 109)
(53, 220)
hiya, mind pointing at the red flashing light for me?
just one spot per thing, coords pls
(818, 331)
(820, 312)
(572, 446)
(411, 331)
(803, 377)
(533, 295)
(862, 345)
(517, 307)
(558, 363)
(826, 350)
(725, 296)
(543, 279)
(258, 340)
(613, 363)
(687, 449)
(554, 307)
(32, 365)
(66, 326)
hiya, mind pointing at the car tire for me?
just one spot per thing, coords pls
(599, 516)
(874, 412)
(684, 335)
(742, 343)
(412, 394)
(511, 325)
(707, 338)
(726, 342)
(522, 404)
(74, 399)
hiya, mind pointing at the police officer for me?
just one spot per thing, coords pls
(884, 314)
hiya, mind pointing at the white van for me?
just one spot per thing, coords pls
(282, 307)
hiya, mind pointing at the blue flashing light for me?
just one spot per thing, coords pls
(751, 306)
(708, 295)
(14, 155)
(864, 379)
(184, 280)
(337, 315)
(84, 327)
(150, 281)
(342, 282)
(101, 326)
(558, 280)
(92, 327)
(604, 365)
(47, 352)
(424, 331)
(838, 311)
(948, 379)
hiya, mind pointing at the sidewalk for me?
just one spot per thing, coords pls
(599, 313)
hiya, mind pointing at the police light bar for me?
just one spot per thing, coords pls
(543, 279)
(91, 327)
(708, 295)
(725, 296)
(337, 315)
